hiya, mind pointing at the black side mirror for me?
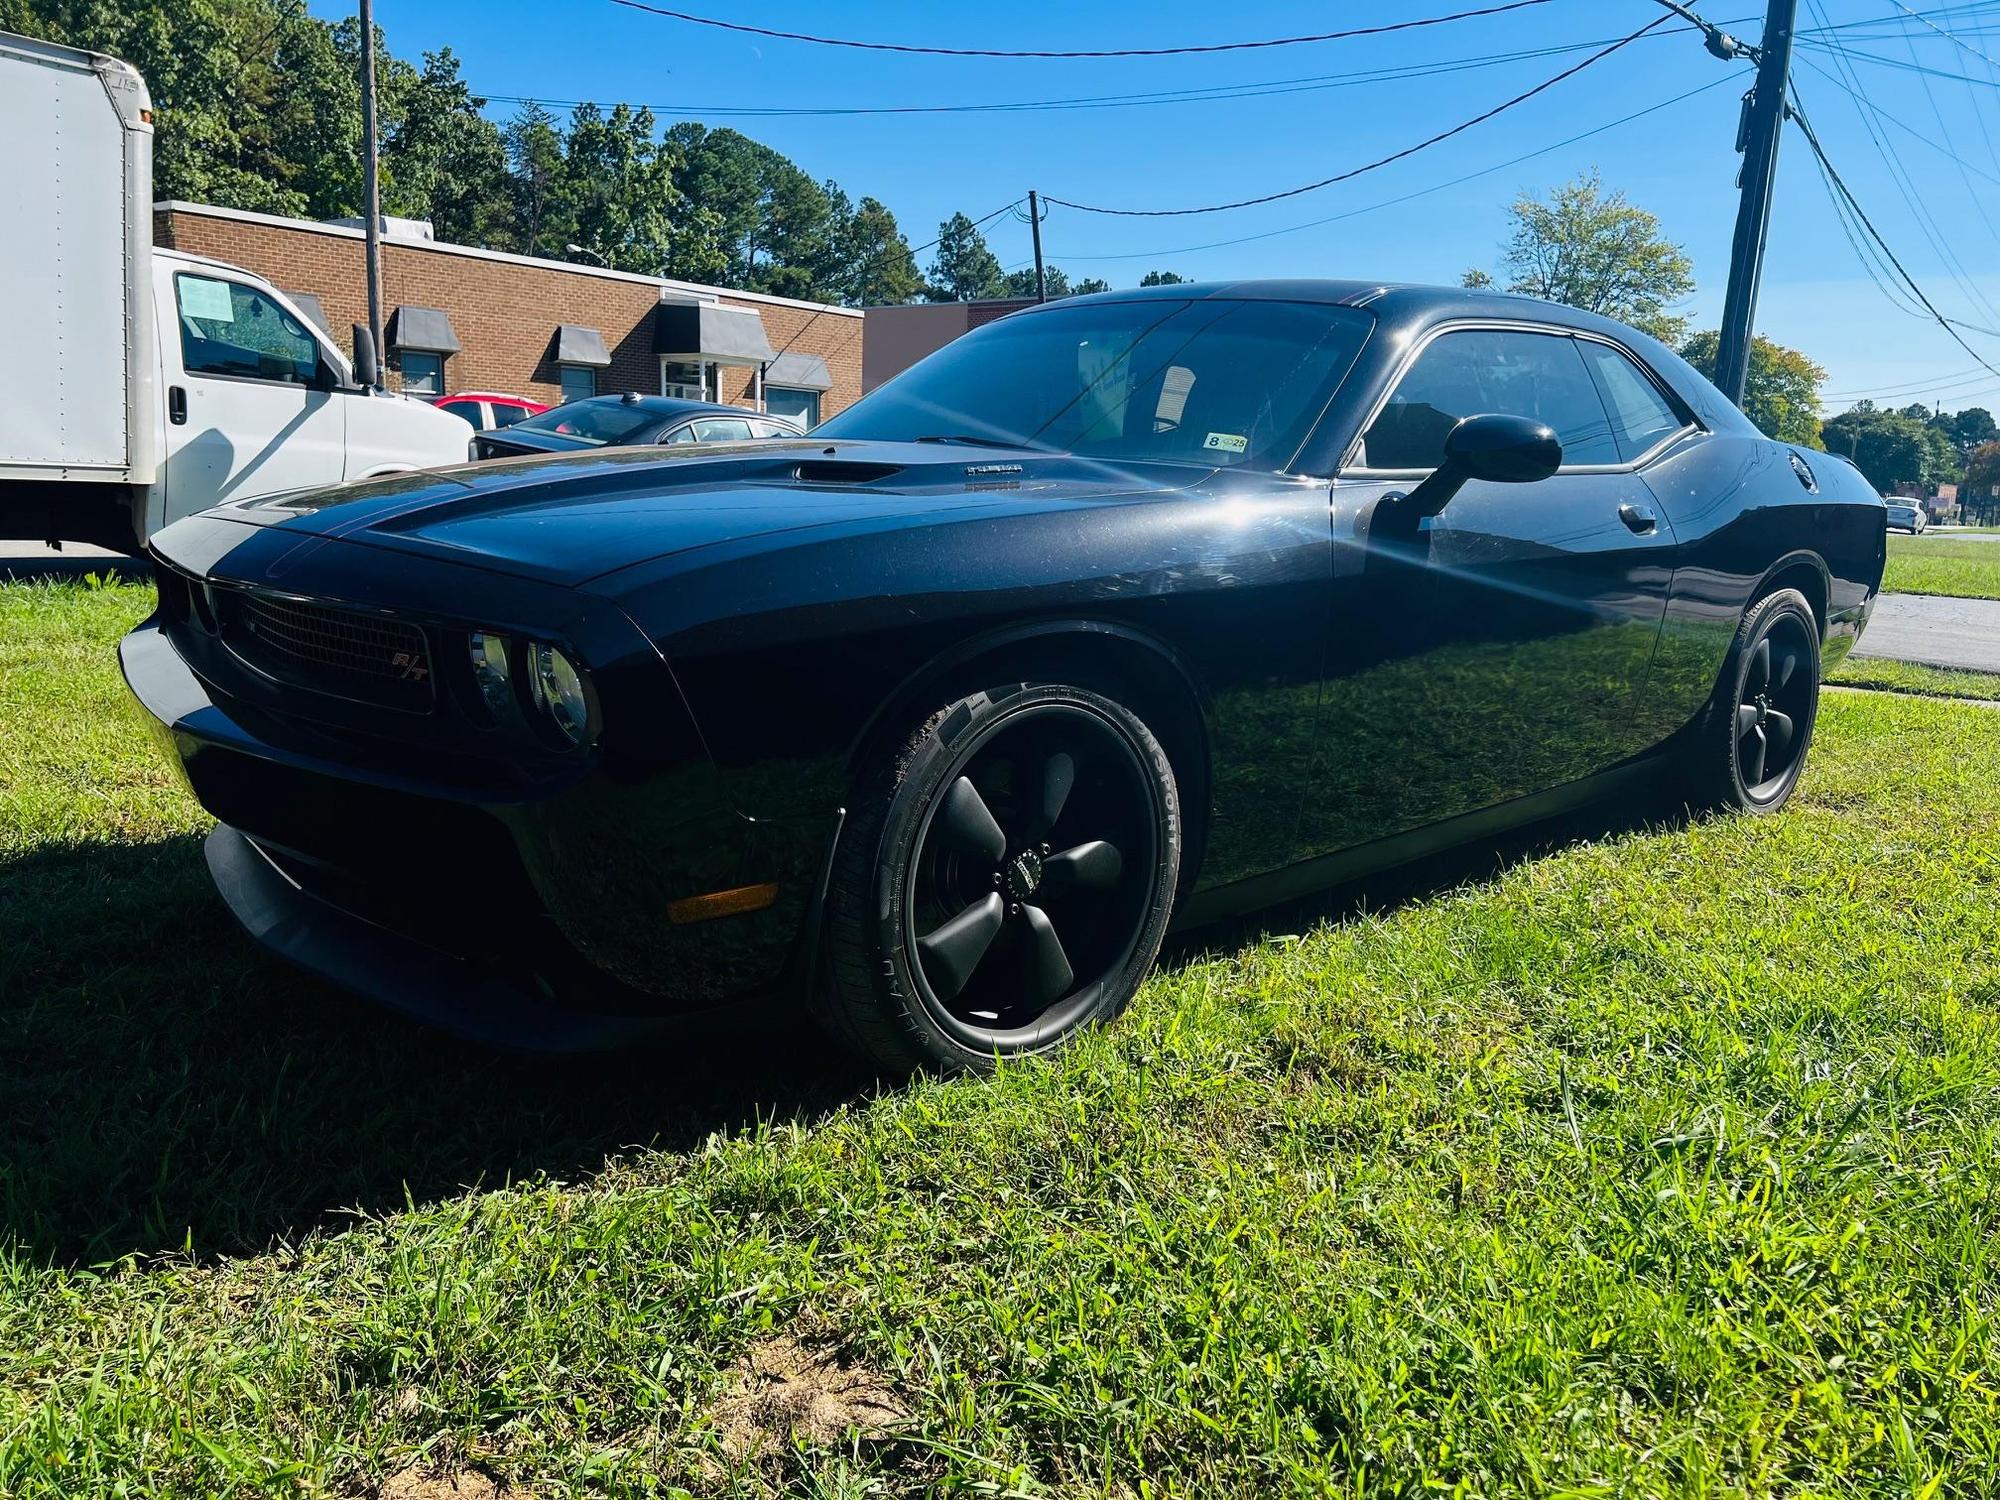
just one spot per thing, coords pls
(367, 370)
(1496, 448)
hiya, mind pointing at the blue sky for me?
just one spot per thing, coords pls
(1677, 161)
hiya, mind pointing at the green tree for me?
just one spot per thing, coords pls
(1162, 278)
(1893, 448)
(876, 266)
(1781, 393)
(1597, 251)
(1055, 282)
(964, 268)
(537, 178)
(442, 159)
(1088, 285)
(619, 181)
(1968, 429)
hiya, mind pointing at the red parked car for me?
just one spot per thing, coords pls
(486, 410)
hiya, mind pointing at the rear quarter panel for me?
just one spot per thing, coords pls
(1742, 516)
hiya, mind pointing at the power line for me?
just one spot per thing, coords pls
(1401, 199)
(1947, 324)
(1941, 31)
(1903, 125)
(1353, 172)
(1309, 83)
(887, 253)
(1283, 41)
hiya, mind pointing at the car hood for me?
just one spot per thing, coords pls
(571, 518)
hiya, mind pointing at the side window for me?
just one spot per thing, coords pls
(228, 328)
(1482, 370)
(466, 411)
(721, 430)
(1641, 415)
(682, 434)
(505, 414)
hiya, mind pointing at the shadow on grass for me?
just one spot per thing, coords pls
(166, 1087)
(24, 566)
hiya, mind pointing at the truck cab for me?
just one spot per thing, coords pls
(256, 399)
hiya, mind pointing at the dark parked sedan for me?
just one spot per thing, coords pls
(626, 422)
(1126, 610)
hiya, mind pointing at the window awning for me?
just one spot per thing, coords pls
(798, 372)
(578, 345)
(426, 329)
(708, 330)
(313, 308)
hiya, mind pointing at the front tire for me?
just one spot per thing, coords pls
(1004, 880)
(1748, 748)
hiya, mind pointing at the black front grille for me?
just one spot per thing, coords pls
(369, 658)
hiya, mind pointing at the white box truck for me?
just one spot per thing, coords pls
(139, 385)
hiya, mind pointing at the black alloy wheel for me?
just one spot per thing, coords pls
(1024, 853)
(1750, 747)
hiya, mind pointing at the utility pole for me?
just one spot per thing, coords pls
(371, 189)
(1764, 124)
(1035, 226)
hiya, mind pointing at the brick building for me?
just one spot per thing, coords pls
(463, 319)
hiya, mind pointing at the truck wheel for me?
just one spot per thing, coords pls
(1004, 880)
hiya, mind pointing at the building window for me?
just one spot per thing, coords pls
(423, 373)
(801, 406)
(689, 379)
(579, 382)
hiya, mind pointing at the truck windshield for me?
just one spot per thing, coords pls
(1210, 382)
(599, 419)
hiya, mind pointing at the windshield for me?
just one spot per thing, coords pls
(1208, 382)
(594, 421)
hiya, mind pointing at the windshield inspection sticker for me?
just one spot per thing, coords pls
(1228, 442)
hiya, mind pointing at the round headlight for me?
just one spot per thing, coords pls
(558, 691)
(489, 669)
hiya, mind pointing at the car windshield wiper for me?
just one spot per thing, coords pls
(973, 440)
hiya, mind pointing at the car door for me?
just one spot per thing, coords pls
(1503, 646)
(249, 409)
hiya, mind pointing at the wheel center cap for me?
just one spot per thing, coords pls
(1024, 874)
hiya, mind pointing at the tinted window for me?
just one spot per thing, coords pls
(506, 414)
(228, 328)
(605, 419)
(1640, 415)
(465, 411)
(1481, 371)
(1211, 382)
(682, 434)
(721, 430)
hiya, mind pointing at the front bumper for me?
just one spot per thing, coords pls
(534, 921)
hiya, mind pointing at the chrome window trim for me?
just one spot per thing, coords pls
(1689, 424)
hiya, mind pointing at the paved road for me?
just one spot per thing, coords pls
(1961, 633)
(25, 560)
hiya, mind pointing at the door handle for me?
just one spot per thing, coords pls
(1639, 519)
(177, 405)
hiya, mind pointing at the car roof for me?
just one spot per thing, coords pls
(672, 406)
(1391, 300)
(490, 396)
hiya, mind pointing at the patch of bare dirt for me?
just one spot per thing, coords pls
(411, 1485)
(781, 1392)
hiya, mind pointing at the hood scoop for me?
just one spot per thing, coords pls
(843, 471)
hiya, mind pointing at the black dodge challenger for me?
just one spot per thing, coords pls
(1126, 610)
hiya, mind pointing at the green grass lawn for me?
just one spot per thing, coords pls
(1648, 1160)
(1941, 565)
(1889, 676)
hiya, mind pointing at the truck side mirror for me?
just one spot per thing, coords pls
(367, 370)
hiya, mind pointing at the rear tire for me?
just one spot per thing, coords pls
(1004, 880)
(1746, 751)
